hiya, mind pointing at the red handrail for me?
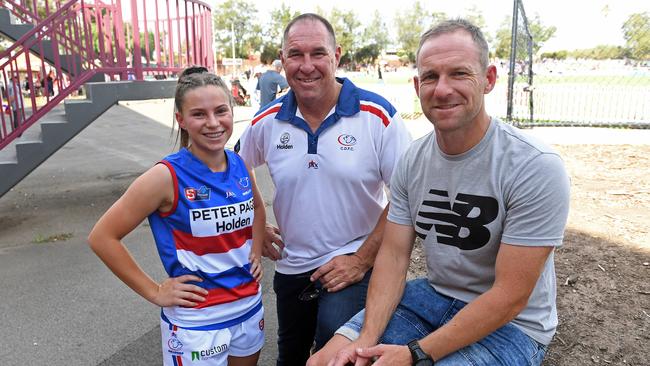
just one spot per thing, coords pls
(121, 39)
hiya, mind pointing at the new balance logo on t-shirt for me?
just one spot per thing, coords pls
(461, 223)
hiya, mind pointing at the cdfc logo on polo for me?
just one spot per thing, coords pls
(347, 142)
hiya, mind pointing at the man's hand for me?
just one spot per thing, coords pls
(272, 237)
(175, 291)
(340, 272)
(386, 355)
(350, 355)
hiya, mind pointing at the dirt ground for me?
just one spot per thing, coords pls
(603, 267)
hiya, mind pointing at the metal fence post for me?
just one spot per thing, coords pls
(513, 55)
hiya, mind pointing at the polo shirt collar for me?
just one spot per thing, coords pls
(346, 105)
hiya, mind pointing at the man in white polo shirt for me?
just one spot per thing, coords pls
(331, 149)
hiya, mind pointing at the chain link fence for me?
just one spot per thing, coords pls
(603, 87)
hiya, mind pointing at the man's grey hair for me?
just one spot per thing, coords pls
(453, 25)
(312, 17)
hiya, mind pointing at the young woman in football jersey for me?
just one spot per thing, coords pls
(207, 218)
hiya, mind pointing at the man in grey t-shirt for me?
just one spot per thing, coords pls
(270, 83)
(489, 203)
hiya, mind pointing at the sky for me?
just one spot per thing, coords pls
(580, 23)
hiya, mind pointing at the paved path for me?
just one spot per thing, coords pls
(59, 303)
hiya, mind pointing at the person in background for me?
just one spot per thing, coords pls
(15, 99)
(271, 83)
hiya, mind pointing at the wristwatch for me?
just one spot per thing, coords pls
(420, 358)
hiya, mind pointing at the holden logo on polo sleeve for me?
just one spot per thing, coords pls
(284, 142)
(347, 142)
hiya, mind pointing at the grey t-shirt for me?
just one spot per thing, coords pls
(509, 188)
(268, 85)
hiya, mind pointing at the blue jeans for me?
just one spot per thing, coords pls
(422, 310)
(303, 322)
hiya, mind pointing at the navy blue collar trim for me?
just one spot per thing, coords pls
(347, 105)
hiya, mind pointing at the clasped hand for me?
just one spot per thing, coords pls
(359, 353)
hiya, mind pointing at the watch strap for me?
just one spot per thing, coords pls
(420, 358)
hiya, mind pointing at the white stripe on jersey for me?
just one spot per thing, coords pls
(215, 262)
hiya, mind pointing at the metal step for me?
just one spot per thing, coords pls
(56, 128)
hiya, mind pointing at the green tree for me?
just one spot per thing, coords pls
(241, 15)
(538, 31)
(555, 55)
(367, 54)
(474, 15)
(346, 27)
(410, 24)
(280, 17)
(376, 33)
(636, 32)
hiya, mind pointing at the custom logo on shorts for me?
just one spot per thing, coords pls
(174, 344)
(312, 164)
(202, 194)
(347, 141)
(261, 324)
(460, 223)
(284, 142)
(209, 353)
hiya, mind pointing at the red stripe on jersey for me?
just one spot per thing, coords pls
(377, 112)
(212, 244)
(225, 295)
(264, 114)
(179, 360)
(175, 182)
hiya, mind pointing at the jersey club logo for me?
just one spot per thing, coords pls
(174, 343)
(460, 223)
(347, 141)
(201, 194)
(243, 183)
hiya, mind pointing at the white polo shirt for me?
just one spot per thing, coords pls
(329, 184)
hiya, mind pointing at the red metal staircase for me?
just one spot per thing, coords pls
(112, 50)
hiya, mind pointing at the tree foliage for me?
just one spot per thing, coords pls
(376, 33)
(410, 24)
(346, 27)
(636, 32)
(539, 32)
(280, 17)
(242, 14)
